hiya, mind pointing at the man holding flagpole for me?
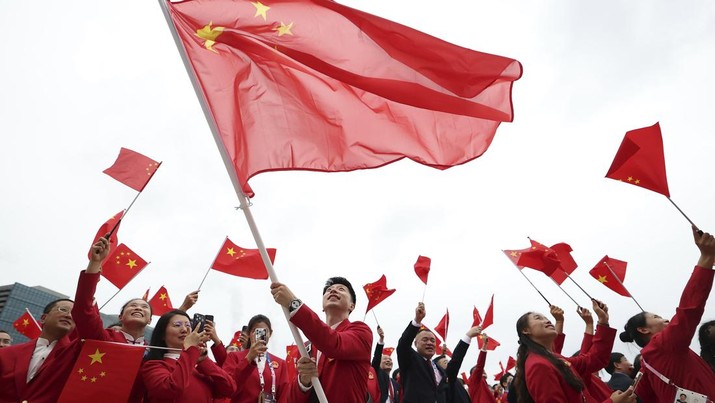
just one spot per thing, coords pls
(340, 348)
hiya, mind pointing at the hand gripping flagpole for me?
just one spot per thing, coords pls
(243, 200)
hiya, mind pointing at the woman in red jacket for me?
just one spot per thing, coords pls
(256, 371)
(666, 352)
(183, 374)
(545, 376)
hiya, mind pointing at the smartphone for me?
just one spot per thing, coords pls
(637, 379)
(200, 320)
(244, 329)
(209, 317)
(260, 334)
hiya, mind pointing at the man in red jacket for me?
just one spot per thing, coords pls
(36, 371)
(340, 348)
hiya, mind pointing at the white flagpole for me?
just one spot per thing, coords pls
(242, 198)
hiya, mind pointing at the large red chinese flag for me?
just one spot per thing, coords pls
(103, 372)
(132, 169)
(422, 268)
(491, 343)
(489, 316)
(242, 262)
(377, 292)
(292, 356)
(160, 303)
(105, 228)
(27, 326)
(640, 160)
(286, 95)
(443, 326)
(122, 265)
(606, 277)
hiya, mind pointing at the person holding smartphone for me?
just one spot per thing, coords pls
(259, 375)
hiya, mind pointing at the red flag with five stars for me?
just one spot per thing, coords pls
(104, 230)
(235, 340)
(103, 372)
(285, 96)
(377, 292)
(477, 318)
(640, 160)
(491, 343)
(443, 326)
(292, 356)
(489, 316)
(606, 277)
(132, 169)
(160, 303)
(242, 262)
(388, 350)
(27, 326)
(556, 261)
(422, 268)
(122, 265)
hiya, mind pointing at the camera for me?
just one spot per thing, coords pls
(261, 334)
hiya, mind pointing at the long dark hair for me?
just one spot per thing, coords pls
(158, 337)
(707, 344)
(528, 346)
(631, 333)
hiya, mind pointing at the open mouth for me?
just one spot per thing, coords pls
(333, 298)
(137, 315)
(66, 322)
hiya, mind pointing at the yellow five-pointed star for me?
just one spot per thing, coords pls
(102, 374)
(25, 322)
(231, 252)
(84, 378)
(630, 179)
(602, 279)
(79, 371)
(94, 379)
(209, 34)
(514, 254)
(638, 181)
(96, 357)
(131, 263)
(284, 29)
(261, 9)
(162, 296)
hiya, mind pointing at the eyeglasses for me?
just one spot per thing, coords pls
(179, 324)
(63, 309)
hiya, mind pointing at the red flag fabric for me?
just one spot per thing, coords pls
(362, 97)
(510, 363)
(105, 229)
(292, 356)
(489, 316)
(442, 350)
(464, 378)
(145, 297)
(422, 268)
(563, 252)
(103, 372)
(640, 160)
(515, 254)
(27, 326)
(388, 350)
(160, 303)
(477, 317)
(546, 260)
(122, 265)
(377, 292)
(242, 262)
(235, 340)
(443, 326)
(606, 277)
(132, 169)
(491, 344)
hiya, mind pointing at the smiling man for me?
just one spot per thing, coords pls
(36, 371)
(340, 348)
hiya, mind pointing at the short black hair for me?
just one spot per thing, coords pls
(615, 357)
(4, 331)
(121, 311)
(342, 281)
(52, 304)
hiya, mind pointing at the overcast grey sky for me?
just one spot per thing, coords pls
(81, 79)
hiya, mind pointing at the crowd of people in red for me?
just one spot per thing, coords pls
(176, 368)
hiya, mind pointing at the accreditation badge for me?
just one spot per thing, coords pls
(688, 396)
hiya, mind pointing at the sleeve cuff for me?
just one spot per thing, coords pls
(415, 324)
(467, 339)
(294, 312)
(300, 385)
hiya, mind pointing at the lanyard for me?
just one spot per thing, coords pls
(273, 375)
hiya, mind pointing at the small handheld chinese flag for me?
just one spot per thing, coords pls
(145, 297)
(27, 326)
(122, 265)
(105, 229)
(160, 302)
(422, 268)
(292, 356)
(235, 340)
(608, 278)
(477, 317)
(388, 351)
(547, 260)
(443, 326)
(510, 363)
(132, 169)
(377, 292)
(640, 160)
(489, 316)
(103, 372)
(242, 262)
(491, 343)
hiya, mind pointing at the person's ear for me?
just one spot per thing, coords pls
(643, 330)
(42, 318)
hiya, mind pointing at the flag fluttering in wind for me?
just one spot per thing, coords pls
(489, 316)
(377, 292)
(27, 326)
(491, 343)
(145, 297)
(443, 326)
(242, 262)
(285, 96)
(132, 169)
(122, 265)
(292, 356)
(160, 303)
(388, 351)
(105, 229)
(612, 278)
(422, 268)
(556, 261)
(640, 160)
(477, 318)
(103, 372)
